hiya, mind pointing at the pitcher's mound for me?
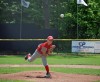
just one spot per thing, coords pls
(38, 76)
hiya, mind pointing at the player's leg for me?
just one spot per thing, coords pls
(33, 57)
(44, 60)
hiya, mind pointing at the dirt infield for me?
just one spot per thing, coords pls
(38, 76)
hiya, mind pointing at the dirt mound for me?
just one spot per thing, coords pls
(38, 76)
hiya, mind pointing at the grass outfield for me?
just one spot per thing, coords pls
(85, 71)
(97, 81)
(58, 60)
(2, 80)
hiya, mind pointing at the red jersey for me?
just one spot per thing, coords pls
(43, 46)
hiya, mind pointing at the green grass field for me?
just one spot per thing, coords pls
(58, 60)
(53, 60)
(1, 80)
(85, 71)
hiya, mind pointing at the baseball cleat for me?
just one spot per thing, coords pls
(27, 56)
(48, 75)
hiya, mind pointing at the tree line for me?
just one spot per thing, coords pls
(79, 21)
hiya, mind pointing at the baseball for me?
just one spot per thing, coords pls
(62, 15)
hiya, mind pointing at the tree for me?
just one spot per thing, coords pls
(9, 11)
(88, 20)
(46, 14)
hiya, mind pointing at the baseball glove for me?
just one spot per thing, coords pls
(52, 48)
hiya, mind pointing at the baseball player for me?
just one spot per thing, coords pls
(42, 51)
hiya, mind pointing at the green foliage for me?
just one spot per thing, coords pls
(88, 18)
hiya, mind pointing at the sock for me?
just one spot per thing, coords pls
(47, 68)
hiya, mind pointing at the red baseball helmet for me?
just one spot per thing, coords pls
(50, 37)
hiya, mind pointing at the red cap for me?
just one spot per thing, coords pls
(50, 37)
